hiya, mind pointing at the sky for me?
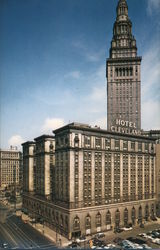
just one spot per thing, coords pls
(52, 64)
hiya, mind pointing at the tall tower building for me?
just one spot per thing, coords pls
(123, 73)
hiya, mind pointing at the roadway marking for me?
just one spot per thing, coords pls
(6, 233)
(16, 236)
(25, 236)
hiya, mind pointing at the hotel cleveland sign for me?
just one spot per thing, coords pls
(125, 127)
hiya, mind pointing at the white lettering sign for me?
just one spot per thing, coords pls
(125, 127)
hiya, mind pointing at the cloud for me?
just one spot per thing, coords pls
(101, 122)
(151, 72)
(151, 118)
(15, 140)
(152, 6)
(98, 94)
(90, 56)
(151, 88)
(95, 57)
(74, 74)
(51, 124)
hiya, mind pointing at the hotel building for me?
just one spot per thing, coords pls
(103, 180)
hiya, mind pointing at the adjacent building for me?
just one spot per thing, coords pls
(10, 167)
(123, 73)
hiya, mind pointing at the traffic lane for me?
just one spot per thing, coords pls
(22, 240)
(31, 232)
(5, 237)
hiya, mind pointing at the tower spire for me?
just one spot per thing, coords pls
(123, 72)
(122, 9)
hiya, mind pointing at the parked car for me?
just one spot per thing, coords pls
(118, 240)
(136, 240)
(100, 235)
(74, 245)
(81, 239)
(156, 241)
(142, 235)
(4, 245)
(127, 228)
(145, 246)
(153, 218)
(118, 230)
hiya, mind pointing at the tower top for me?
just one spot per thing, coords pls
(122, 10)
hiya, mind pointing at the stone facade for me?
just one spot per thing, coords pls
(103, 180)
(38, 161)
(10, 167)
(123, 73)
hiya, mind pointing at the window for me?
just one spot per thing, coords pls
(87, 141)
(76, 223)
(125, 145)
(98, 220)
(117, 144)
(139, 146)
(76, 141)
(88, 222)
(98, 142)
(108, 218)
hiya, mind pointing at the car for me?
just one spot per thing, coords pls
(145, 246)
(111, 246)
(156, 241)
(93, 247)
(4, 245)
(100, 235)
(155, 233)
(127, 228)
(136, 240)
(74, 245)
(118, 230)
(154, 218)
(143, 235)
(81, 239)
(118, 240)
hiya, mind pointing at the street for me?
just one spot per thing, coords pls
(17, 234)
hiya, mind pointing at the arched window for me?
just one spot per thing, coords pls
(152, 211)
(98, 220)
(108, 218)
(133, 215)
(125, 216)
(51, 147)
(140, 215)
(146, 212)
(117, 218)
(76, 223)
(88, 221)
